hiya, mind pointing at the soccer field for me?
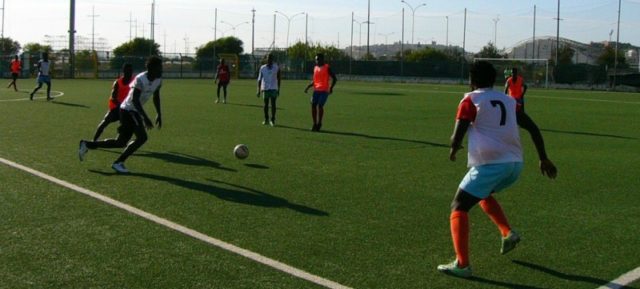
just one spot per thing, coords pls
(364, 204)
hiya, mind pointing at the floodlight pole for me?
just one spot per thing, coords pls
(215, 38)
(368, 24)
(351, 46)
(447, 38)
(289, 22)
(2, 36)
(495, 31)
(533, 53)
(93, 27)
(253, 30)
(72, 31)
(413, 13)
(558, 34)
(615, 63)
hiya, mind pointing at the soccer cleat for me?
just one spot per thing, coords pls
(509, 242)
(266, 122)
(31, 96)
(319, 126)
(224, 101)
(272, 123)
(82, 150)
(120, 168)
(218, 100)
(314, 127)
(49, 98)
(453, 269)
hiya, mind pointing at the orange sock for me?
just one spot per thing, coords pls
(460, 235)
(491, 207)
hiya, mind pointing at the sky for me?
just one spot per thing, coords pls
(184, 25)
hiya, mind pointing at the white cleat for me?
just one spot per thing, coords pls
(120, 168)
(82, 150)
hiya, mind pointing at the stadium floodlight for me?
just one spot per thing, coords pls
(413, 16)
(233, 27)
(289, 18)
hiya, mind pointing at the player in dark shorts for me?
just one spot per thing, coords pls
(223, 77)
(16, 67)
(119, 92)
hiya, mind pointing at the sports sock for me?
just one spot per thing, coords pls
(314, 114)
(460, 235)
(491, 207)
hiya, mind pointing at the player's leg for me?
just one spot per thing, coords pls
(224, 88)
(265, 98)
(314, 110)
(273, 109)
(141, 137)
(218, 92)
(111, 116)
(36, 89)
(49, 90)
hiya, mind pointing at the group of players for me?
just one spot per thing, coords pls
(43, 77)
(490, 118)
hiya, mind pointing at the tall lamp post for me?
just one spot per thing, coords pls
(233, 27)
(289, 18)
(413, 16)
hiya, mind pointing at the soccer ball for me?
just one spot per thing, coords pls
(241, 151)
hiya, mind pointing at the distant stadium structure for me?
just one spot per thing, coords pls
(545, 47)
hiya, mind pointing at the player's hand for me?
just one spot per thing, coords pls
(147, 123)
(159, 121)
(258, 94)
(452, 153)
(548, 169)
(306, 90)
(330, 91)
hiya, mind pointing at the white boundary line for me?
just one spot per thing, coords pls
(184, 230)
(57, 94)
(623, 280)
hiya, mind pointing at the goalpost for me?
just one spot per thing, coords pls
(530, 69)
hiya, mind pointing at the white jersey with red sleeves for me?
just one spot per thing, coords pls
(146, 87)
(493, 134)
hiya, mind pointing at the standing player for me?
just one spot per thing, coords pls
(223, 77)
(16, 67)
(133, 118)
(119, 92)
(494, 158)
(321, 90)
(516, 88)
(269, 85)
(43, 76)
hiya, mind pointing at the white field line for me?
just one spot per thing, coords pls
(182, 229)
(623, 280)
(55, 94)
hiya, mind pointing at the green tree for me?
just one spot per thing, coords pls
(226, 45)
(9, 47)
(565, 55)
(608, 56)
(424, 55)
(135, 52)
(302, 51)
(489, 51)
(37, 48)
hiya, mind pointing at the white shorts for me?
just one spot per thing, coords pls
(483, 180)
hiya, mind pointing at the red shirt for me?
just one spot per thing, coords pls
(223, 73)
(15, 66)
(515, 87)
(121, 94)
(321, 78)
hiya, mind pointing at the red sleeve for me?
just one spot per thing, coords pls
(466, 110)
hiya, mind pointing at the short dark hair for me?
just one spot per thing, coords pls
(153, 61)
(320, 55)
(482, 74)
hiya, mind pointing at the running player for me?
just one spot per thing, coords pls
(516, 88)
(16, 67)
(119, 91)
(269, 85)
(321, 90)
(223, 77)
(133, 118)
(494, 158)
(43, 76)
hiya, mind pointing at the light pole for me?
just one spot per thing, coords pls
(386, 42)
(495, 31)
(447, 39)
(233, 27)
(413, 16)
(289, 18)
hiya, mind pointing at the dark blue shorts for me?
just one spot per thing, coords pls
(319, 98)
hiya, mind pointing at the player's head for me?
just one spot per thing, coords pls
(269, 59)
(221, 60)
(482, 74)
(15, 57)
(320, 59)
(127, 70)
(154, 66)
(514, 71)
(45, 55)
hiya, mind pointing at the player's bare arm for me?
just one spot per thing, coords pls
(546, 166)
(308, 86)
(114, 93)
(334, 79)
(459, 131)
(156, 103)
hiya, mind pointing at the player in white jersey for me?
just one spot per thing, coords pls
(133, 118)
(269, 85)
(494, 159)
(43, 76)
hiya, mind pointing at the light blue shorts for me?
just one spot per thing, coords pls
(482, 180)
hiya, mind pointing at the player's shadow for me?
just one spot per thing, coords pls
(237, 194)
(180, 158)
(257, 166)
(362, 135)
(570, 277)
(380, 93)
(54, 101)
(252, 105)
(495, 283)
(587, 133)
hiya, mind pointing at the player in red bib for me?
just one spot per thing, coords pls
(516, 88)
(321, 90)
(16, 67)
(223, 77)
(119, 92)
(494, 159)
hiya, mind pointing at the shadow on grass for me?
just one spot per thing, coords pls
(587, 133)
(238, 194)
(371, 136)
(253, 105)
(256, 166)
(495, 283)
(570, 277)
(380, 93)
(179, 158)
(54, 101)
